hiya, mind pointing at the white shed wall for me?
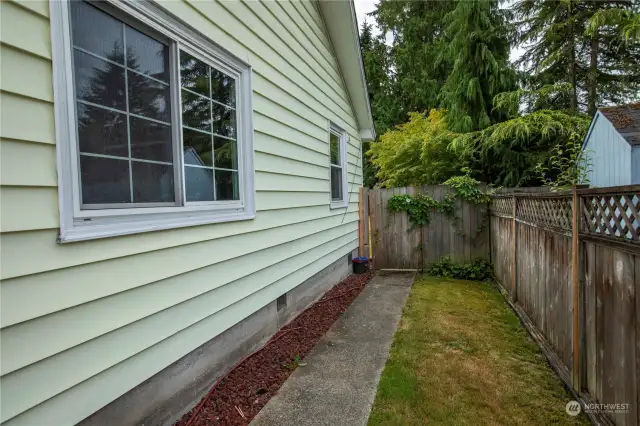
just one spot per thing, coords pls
(610, 155)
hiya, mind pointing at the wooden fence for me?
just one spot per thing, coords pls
(570, 265)
(395, 245)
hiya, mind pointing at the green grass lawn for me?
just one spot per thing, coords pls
(461, 357)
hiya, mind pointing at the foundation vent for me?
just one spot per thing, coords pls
(282, 302)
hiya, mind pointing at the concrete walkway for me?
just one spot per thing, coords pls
(338, 384)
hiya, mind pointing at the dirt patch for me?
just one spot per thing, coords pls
(238, 397)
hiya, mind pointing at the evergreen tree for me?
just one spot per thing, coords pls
(479, 53)
(377, 65)
(416, 76)
(375, 59)
(598, 65)
(547, 30)
(452, 57)
(613, 34)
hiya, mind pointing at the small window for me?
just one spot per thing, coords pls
(338, 166)
(153, 120)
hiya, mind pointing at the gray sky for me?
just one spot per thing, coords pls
(362, 8)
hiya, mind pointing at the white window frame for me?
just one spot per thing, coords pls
(344, 138)
(77, 224)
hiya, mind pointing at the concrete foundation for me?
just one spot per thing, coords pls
(165, 397)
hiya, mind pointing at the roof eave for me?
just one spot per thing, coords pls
(342, 26)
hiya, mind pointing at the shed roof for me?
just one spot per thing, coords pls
(626, 120)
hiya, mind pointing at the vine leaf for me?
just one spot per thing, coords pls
(420, 207)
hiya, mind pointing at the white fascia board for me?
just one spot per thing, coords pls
(340, 20)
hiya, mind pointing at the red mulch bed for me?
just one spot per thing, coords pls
(239, 396)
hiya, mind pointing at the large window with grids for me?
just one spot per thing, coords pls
(154, 122)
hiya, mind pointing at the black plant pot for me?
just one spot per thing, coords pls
(360, 265)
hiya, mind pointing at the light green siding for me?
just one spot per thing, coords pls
(83, 323)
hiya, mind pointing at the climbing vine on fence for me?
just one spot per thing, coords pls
(466, 188)
(420, 207)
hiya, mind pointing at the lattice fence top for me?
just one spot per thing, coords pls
(612, 212)
(502, 206)
(612, 215)
(555, 212)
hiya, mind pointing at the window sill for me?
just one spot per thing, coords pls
(338, 205)
(80, 231)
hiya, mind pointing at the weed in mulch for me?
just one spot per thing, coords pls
(239, 396)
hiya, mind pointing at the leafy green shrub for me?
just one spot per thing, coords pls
(467, 189)
(568, 165)
(415, 152)
(445, 267)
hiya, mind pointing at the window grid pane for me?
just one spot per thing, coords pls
(98, 123)
(210, 164)
(337, 165)
(334, 148)
(336, 183)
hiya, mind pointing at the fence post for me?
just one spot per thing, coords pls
(514, 278)
(575, 282)
(576, 263)
(361, 235)
(365, 211)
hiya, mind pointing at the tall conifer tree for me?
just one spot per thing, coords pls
(478, 49)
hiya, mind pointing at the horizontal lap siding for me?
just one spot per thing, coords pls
(79, 401)
(83, 323)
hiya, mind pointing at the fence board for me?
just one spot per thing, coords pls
(361, 216)
(608, 343)
(608, 304)
(366, 223)
(396, 246)
(414, 239)
(590, 317)
(394, 236)
(544, 284)
(382, 232)
(637, 284)
(381, 253)
(430, 233)
(600, 329)
(387, 226)
(374, 228)
(471, 231)
(502, 250)
(622, 329)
